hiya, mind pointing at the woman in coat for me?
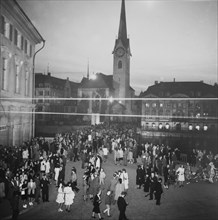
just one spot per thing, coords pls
(96, 205)
(119, 189)
(181, 175)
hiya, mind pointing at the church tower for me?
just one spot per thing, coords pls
(121, 63)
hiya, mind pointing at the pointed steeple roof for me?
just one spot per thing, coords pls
(122, 33)
(88, 70)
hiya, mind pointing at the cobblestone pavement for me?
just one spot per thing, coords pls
(194, 201)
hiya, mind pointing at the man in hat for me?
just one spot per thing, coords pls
(121, 203)
(45, 188)
(158, 191)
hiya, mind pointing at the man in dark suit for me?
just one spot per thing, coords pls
(121, 203)
(153, 181)
(158, 191)
(61, 176)
(45, 188)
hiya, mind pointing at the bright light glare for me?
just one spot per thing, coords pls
(93, 76)
(111, 99)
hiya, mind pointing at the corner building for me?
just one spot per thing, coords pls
(18, 38)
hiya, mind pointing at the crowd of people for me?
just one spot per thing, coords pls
(27, 171)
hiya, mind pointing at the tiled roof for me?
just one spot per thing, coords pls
(189, 89)
(101, 81)
(41, 78)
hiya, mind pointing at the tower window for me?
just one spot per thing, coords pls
(120, 64)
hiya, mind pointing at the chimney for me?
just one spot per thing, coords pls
(155, 82)
(49, 74)
(174, 79)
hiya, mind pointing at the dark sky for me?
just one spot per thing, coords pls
(168, 38)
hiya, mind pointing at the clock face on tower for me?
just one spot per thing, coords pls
(120, 51)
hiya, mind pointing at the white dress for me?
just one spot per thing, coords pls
(60, 196)
(181, 173)
(69, 195)
(125, 180)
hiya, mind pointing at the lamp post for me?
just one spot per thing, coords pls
(110, 105)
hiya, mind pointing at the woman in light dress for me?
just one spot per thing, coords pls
(60, 197)
(69, 196)
(102, 176)
(211, 172)
(125, 179)
(181, 175)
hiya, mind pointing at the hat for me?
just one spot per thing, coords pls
(124, 193)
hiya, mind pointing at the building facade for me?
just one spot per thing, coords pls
(50, 110)
(18, 38)
(184, 113)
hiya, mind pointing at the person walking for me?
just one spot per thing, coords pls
(112, 186)
(31, 186)
(108, 201)
(125, 179)
(96, 205)
(60, 197)
(45, 188)
(158, 191)
(153, 181)
(119, 189)
(85, 187)
(139, 176)
(102, 176)
(69, 196)
(37, 189)
(122, 204)
(15, 205)
(181, 175)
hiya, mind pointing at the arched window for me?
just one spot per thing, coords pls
(120, 64)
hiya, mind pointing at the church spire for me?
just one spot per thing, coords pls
(88, 70)
(122, 34)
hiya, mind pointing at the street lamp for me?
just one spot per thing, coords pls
(93, 76)
(205, 127)
(110, 105)
(190, 127)
(111, 99)
(197, 127)
(160, 126)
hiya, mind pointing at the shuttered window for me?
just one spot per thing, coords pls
(2, 24)
(11, 33)
(15, 37)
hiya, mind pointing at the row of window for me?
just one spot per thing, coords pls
(15, 36)
(191, 93)
(41, 93)
(178, 126)
(3, 127)
(177, 105)
(17, 75)
(179, 113)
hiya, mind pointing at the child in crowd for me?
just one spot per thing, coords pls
(108, 201)
(60, 197)
(102, 176)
